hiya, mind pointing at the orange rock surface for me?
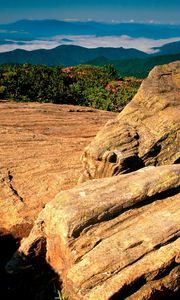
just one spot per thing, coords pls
(114, 237)
(40, 149)
(145, 133)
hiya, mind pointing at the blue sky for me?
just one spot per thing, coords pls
(163, 11)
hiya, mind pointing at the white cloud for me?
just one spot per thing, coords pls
(28, 45)
(90, 41)
(71, 20)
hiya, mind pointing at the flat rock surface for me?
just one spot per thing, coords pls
(145, 133)
(40, 149)
(112, 238)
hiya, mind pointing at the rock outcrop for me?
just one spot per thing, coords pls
(40, 147)
(145, 133)
(118, 237)
(112, 238)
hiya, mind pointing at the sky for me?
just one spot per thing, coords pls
(158, 11)
(109, 11)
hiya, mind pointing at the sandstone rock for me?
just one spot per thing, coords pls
(40, 147)
(112, 238)
(145, 133)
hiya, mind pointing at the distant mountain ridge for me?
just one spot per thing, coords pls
(30, 29)
(137, 67)
(68, 55)
(129, 62)
(170, 48)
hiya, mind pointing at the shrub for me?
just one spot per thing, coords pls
(87, 85)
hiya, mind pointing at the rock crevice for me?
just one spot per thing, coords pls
(97, 256)
(118, 237)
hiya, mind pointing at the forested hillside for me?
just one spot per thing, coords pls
(67, 55)
(128, 62)
(135, 66)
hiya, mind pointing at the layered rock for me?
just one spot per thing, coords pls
(112, 238)
(40, 147)
(117, 237)
(145, 133)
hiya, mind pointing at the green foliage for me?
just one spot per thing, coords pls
(82, 85)
(137, 67)
(97, 97)
(140, 68)
(2, 91)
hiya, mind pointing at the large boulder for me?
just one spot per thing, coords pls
(144, 133)
(112, 238)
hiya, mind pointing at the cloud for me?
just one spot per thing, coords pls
(28, 45)
(89, 41)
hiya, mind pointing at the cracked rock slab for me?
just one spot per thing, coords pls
(40, 147)
(112, 238)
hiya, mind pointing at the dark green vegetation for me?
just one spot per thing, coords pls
(128, 62)
(137, 67)
(101, 83)
(67, 55)
(140, 67)
(171, 48)
(98, 87)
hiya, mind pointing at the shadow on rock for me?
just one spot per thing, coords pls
(33, 278)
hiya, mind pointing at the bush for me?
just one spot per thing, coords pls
(82, 85)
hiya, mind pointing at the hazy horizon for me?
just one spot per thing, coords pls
(73, 20)
(48, 35)
(157, 11)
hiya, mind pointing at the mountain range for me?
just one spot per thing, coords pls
(137, 67)
(67, 55)
(170, 48)
(30, 29)
(129, 61)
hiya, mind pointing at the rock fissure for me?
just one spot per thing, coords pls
(109, 273)
(15, 192)
(116, 236)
